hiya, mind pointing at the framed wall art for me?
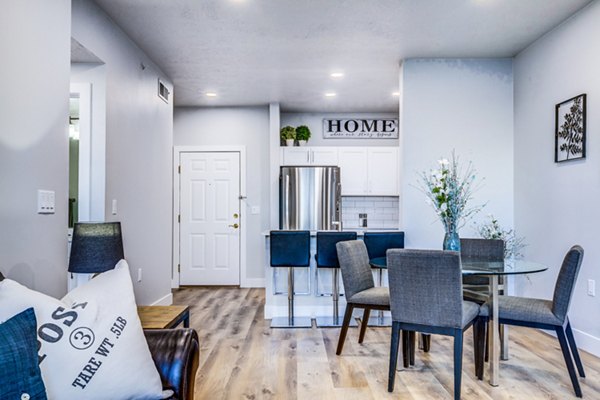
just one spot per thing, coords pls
(569, 136)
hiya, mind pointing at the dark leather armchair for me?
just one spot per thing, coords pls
(176, 355)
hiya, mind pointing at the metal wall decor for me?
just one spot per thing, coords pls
(569, 137)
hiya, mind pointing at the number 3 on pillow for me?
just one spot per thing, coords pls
(51, 332)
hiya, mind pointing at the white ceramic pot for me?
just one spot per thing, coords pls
(289, 142)
(301, 142)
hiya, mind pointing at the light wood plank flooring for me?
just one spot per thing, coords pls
(242, 358)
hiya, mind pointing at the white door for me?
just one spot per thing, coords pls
(209, 218)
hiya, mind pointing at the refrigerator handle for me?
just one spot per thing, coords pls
(286, 214)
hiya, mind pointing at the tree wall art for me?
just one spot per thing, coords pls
(569, 139)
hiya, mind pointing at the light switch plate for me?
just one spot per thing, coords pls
(114, 207)
(46, 201)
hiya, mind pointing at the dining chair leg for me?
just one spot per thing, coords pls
(406, 348)
(411, 346)
(363, 324)
(458, 348)
(426, 342)
(560, 332)
(393, 355)
(574, 350)
(345, 324)
(479, 343)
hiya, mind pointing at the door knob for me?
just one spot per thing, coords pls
(236, 215)
(235, 226)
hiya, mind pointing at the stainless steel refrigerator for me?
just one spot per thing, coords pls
(310, 198)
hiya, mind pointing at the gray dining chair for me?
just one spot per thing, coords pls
(359, 287)
(550, 314)
(426, 296)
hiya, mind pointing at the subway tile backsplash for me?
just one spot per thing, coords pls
(382, 212)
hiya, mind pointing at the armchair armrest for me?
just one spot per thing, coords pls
(176, 355)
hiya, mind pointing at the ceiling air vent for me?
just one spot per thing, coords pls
(163, 91)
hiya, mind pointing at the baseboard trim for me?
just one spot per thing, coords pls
(166, 300)
(253, 283)
(587, 342)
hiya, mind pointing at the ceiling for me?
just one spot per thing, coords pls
(253, 52)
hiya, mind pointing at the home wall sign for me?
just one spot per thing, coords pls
(569, 136)
(360, 128)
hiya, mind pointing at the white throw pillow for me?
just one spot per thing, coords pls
(91, 343)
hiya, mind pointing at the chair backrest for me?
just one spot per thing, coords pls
(354, 263)
(326, 252)
(290, 248)
(482, 249)
(565, 283)
(379, 242)
(426, 287)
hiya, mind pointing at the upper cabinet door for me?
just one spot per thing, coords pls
(324, 155)
(296, 156)
(383, 167)
(353, 170)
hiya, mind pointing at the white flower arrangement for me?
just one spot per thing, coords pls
(448, 190)
(513, 244)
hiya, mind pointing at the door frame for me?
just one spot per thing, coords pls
(177, 150)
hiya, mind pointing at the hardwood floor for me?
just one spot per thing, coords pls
(241, 357)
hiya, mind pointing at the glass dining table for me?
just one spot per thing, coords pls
(493, 270)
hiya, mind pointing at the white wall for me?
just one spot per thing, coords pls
(556, 205)
(236, 126)
(138, 149)
(34, 108)
(314, 121)
(466, 105)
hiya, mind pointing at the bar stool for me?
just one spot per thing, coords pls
(378, 244)
(327, 258)
(290, 249)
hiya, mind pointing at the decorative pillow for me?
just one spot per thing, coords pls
(19, 370)
(90, 344)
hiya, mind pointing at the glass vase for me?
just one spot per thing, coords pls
(451, 240)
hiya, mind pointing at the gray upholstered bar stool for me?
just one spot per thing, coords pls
(327, 258)
(290, 249)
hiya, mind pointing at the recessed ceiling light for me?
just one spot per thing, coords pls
(337, 75)
(395, 93)
(210, 94)
(330, 94)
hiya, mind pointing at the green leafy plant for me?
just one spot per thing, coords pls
(288, 132)
(513, 244)
(449, 190)
(302, 132)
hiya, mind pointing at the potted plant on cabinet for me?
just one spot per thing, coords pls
(302, 134)
(288, 134)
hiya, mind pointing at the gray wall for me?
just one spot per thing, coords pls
(235, 127)
(466, 105)
(34, 108)
(138, 149)
(314, 121)
(556, 205)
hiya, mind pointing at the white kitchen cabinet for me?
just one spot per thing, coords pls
(382, 164)
(302, 155)
(369, 171)
(353, 169)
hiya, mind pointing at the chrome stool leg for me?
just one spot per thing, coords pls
(335, 320)
(291, 321)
